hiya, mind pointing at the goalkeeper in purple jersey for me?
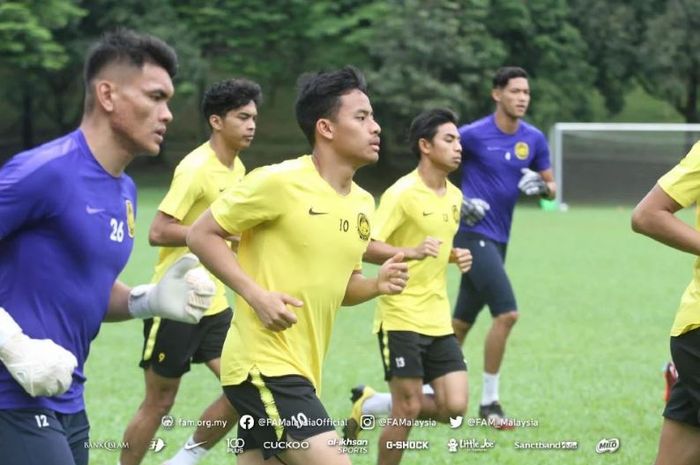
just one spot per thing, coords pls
(67, 225)
(502, 157)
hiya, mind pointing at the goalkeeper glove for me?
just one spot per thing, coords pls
(532, 183)
(183, 294)
(40, 366)
(474, 210)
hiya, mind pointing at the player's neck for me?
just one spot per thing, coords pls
(334, 170)
(226, 155)
(105, 146)
(506, 123)
(434, 178)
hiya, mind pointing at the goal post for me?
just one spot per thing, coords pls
(614, 162)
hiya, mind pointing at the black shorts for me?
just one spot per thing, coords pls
(684, 403)
(486, 282)
(284, 409)
(42, 436)
(170, 346)
(408, 354)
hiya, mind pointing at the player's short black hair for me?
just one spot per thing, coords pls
(228, 95)
(505, 74)
(319, 96)
(129, 47)
(426, 124)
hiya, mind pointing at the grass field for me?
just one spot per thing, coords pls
(584, 360)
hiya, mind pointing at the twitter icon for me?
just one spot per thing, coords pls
(456, 422)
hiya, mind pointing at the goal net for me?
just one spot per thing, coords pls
(615, 163)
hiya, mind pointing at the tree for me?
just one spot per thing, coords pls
(539, 36)
(669, 57)
(427, 54)
(28, 48)
(612, 31)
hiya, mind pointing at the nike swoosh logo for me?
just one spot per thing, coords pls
(93, 211)
(427, 213)
(189, 446)
(312, 212)
(222, 189)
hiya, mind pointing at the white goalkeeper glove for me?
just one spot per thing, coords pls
(40, 366)
(474, 210)
(183, 294)
(532, 183)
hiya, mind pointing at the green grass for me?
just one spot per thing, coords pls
(584, 360)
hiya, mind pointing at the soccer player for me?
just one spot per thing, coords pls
(655, 217)
(502, 156)
(230, 108)
(304, 225)
(66, 231)
(416, 340)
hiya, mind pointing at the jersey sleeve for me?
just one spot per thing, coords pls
(541, 162)
(184, 191)
(682, 182)
(24, 196)
(258, 198)
(388, 217)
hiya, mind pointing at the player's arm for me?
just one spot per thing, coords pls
(183, 294)
(391, 279)
(654, 216)
(378, 252)
(167, 231)
(207, 239)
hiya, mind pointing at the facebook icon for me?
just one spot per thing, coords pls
(246, 421)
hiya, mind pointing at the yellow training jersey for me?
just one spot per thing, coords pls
(682, 184)
(198, 180)
(408, 212)
(299, 237)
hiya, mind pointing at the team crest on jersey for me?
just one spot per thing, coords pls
(130, 221)
(455, 213)
(363, 226)
(522, 150)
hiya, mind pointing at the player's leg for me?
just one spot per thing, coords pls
(680, 433)
(168, 347)
(33, 437)
(219, 417)
(282, 417)
(446, 371)
(679, 444)
(469, 301)
(406, 402)
(77, 430)
(494, 286)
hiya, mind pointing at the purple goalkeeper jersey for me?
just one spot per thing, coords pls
(492, 163)
(66, 232)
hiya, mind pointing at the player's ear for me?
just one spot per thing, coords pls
(424, 145)
(324, 128)
(104, 95)
(215, 122)
(496, 94)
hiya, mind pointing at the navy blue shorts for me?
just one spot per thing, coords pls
(487, 282)
(42, 436)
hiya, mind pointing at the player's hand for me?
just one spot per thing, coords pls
(430, 247)
(271, 308)
(183, 294)
(40, 366)
(474, 210)
(462, 257)
(393, 275)
(532, 183)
